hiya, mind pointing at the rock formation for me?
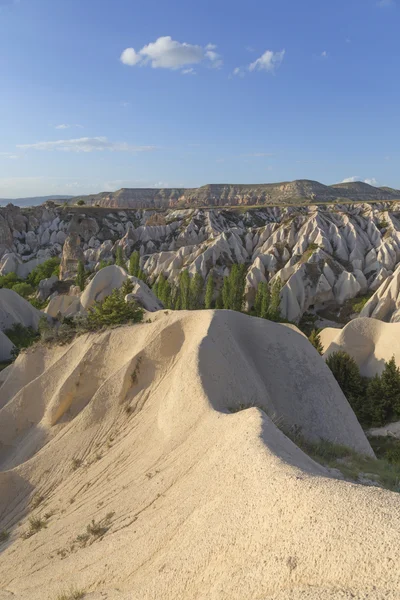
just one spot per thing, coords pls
(151, 487)
(301, 190)
(370, 342)
(325, 255)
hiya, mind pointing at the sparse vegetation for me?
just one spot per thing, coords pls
(44, 271)
(4, 536)
(37, 500)
(384, 471)
(375, 401)
(76, 463)
(22, 337)
(72, 594)
(35, 525)
(315, 340)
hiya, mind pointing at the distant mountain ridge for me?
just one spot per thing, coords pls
(33, 201)
(299, 191)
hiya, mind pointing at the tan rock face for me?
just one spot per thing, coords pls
(71, 255)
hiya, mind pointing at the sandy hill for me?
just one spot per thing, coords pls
(370, 342)
(301, 190)
(124, 445)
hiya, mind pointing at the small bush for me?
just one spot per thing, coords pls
(113, 310)
(72, 594)
(44, 271)
(76, 463)
(8, 281)
(23, 289)
(315, 340)
(37, 500)
(80, 203)
(35, 525)
(22, 337)
(4, 535)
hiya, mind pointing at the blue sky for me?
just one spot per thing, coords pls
(101, 94)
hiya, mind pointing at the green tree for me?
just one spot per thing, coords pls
(274, 312)
(196, 292)
(8, 281)
(80, 276)
(113, 310)
(184, 287)
(209, 298)
(219, 302)
(347, 374)
(134, 264)
(161, 286)
(44, 271)
(226, 293)
(80, 203)
(119, 258)
(383, 395)
(166, 299)
(315, 340)
(23, 289)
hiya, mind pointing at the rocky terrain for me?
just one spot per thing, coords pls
(300, 191)
(325, 255)
(161, 460)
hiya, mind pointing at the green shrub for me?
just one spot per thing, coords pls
(315, 340)
(383, 395)
(80, 203)
(347, 374)
(8, 281)
(22, 337)
(23, 289)
(44, 271)
(113, 310)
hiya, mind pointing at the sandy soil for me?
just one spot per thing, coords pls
(131, 428)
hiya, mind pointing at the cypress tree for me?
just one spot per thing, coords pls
(184, 286)
(347, 374)
(274, 312)
(134, 266)
(226, 294)
(196, 292)
(209, 291)
(265, 301)
(119, 258)
(161, 287)
(80, 276)
(219, 302)
(315, 340)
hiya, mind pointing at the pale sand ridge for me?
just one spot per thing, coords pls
(207, 504)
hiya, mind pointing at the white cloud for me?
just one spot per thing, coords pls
(356, 178)
(65, 126)
(166, 53)
(190, 71)
(386, 3)
(130, 57)
(269, 61)
(324, 54)
(86, 144)
(8, 155)
(259, 154)
(239, 72)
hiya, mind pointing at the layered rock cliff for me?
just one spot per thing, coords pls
(237, 195)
